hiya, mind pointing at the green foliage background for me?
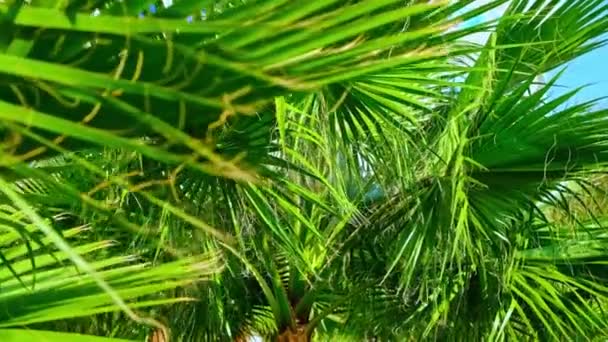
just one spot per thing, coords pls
(337, 170)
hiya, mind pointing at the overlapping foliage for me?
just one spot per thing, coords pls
(297, 170)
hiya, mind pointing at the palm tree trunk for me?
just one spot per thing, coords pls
(299, 335)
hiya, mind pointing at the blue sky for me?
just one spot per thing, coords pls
(590, 69)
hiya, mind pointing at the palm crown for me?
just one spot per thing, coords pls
(297, 170)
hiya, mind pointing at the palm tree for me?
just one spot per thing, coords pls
(332, 170)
